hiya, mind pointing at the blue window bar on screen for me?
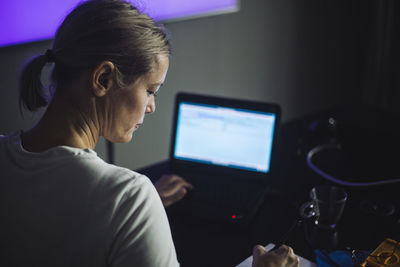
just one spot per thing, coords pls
(24, 21)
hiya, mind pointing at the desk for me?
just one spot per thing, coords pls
(200, 243)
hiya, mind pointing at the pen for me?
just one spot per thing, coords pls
(286, 235)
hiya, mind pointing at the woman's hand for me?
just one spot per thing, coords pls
(171, 188)
(283, 256)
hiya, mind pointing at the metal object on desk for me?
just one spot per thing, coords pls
(326, 206)
(324, 210)
(386, 254)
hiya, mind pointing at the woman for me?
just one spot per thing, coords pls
(65, 206)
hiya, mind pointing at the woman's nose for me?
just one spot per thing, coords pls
(151, 106)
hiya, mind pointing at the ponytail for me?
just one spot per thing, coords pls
(119, 33)
(31, 91)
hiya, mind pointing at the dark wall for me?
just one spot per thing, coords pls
(305, 55)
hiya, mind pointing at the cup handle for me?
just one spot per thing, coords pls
(307, 210)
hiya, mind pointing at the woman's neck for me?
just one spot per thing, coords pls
(63, 124)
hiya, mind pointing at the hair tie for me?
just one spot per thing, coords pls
(50, 56)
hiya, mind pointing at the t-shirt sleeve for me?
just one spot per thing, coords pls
(141, 234)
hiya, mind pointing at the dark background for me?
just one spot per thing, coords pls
(306, 55)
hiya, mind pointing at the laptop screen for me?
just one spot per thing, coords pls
(230, 137)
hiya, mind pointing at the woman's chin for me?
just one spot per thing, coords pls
(121, 138)
(127, 138)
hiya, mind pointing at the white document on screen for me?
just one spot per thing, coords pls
(303, 262)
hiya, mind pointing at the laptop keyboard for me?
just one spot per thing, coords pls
(234, 195)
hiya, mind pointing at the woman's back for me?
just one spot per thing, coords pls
(67, 207)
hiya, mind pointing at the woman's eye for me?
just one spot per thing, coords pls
(149, 92)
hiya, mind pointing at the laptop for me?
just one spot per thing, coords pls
(224, 147)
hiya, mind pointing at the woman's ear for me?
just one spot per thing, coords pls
(102, 78)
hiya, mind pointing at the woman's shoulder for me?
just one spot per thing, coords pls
(70, 165)
(97, 170)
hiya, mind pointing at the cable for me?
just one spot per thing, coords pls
(329, 177)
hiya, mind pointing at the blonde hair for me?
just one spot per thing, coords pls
(95, 31)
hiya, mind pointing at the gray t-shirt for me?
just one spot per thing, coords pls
(67, 207)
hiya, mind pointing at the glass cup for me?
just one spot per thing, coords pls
(326, 206)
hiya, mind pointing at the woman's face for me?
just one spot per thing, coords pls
(129, 105)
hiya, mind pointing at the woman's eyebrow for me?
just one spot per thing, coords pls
(157, 84)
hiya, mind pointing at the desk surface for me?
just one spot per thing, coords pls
(200, 243)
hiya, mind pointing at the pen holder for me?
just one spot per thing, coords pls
(326, 206)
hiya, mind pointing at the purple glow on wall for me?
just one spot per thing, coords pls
(25, 21)
(175, 9)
